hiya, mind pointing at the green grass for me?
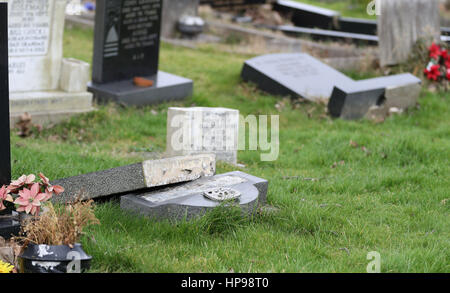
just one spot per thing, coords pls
(394, 200)
(348, 8)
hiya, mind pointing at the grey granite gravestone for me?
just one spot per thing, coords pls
(188, 200)
(136, 177)
(354, 101)
(5, 156)
(294, 74)
(126, 45)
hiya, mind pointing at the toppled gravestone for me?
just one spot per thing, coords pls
(376, 95)
(136, 177)
(195, 198)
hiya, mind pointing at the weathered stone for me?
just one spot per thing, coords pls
(200, 130)
(173, 10)
(36, 66)
(5, 154)
(402, 97)
(75, 75)
(127, 46)
(136, 177)
(294, 75)
(401, 23)
(188, 200)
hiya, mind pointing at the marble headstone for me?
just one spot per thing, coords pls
(126, 45)
(200, 130)
(188, 200)
(36, 64)
(293, 74)
(5, 157)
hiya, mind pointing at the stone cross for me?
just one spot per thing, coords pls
(5, 156)
(401, 23)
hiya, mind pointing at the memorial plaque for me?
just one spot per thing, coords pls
(126, 46)
(5, 156)
(294, 74)
(126, 39)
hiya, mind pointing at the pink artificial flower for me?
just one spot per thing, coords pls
(50, 189)
(24, 180)
(448, 73)
(29, 200)
(4, 195)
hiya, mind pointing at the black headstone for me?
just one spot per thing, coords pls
(5, 156)
(126, 45)
(126, 39)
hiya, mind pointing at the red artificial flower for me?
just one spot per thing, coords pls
(433, 72)
(444, 54)
(448, 73)
(435, 51)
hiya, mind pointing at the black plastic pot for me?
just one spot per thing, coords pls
(9, 225)
(54, 259)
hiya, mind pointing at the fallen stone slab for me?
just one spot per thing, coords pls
(353, 101)
(193, 199)
(294, 74)
(136, 177)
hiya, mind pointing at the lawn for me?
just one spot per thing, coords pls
(392, 197)
(348, 8)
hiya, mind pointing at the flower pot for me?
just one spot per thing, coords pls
(54, 259)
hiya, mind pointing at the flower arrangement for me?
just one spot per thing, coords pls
(5, 268)
(61, 225)
(28, 195)
(439, 66)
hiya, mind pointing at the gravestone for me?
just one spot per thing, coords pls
(192, 199)
(126, 46)
(134, 177)
(355, 100)
(305, 15)
(293, 74)
(401, 23)
(37, 67)
(201, 130)
(173, 10)
(5, 157)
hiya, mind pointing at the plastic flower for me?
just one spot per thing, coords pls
(4, 195)
(432, 71)
(29, 200)
(50, 189)
(23, 180)
(5, 268)
(435, 51)
(448, 73)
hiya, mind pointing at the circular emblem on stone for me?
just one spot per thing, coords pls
(222, 194)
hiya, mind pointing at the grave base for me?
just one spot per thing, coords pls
(166, 88)
(186, 201)
(48, 106)
(8, 227)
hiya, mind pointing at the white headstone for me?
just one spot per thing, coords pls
(401, 23)
(36, 29)
(200, 130)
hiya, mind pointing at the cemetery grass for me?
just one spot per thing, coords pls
(333, 202)
(347, 8)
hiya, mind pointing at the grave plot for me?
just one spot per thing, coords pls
(126, 53)
(300, 75)
(43, 83)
